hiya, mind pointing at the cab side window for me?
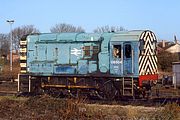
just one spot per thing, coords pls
(128, 51)
(87, 51)
(91, 52)
(141, 46)
(154, 46)
(117, 51)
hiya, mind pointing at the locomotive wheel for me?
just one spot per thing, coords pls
(54, 92)
(74, 93)
(77, 93)
(107, 91)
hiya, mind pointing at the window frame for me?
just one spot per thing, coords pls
(116, 51)
(127, 51)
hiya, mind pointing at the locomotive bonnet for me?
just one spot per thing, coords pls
(88, 60)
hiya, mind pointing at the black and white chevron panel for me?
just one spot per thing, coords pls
(147, 57)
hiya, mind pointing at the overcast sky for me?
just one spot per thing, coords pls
(160, 16)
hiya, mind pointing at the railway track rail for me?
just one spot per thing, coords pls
(8, 88)
(8, 93)
(143, 102)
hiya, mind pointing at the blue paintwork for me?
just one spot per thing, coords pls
(115, 63)
(127, 62)
(82, 67)
(58, 69)
(104, 54)
(63, 53)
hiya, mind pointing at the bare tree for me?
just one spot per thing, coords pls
(4, 44)
(18, 32)
(63, 27)
(108, 28)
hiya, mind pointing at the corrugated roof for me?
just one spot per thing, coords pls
(68, 37)
(127, 35)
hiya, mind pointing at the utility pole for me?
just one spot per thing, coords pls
(11, 37)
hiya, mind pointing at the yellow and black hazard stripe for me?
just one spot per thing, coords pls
(23, 55)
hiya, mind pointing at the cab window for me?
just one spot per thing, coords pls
(141, 46)
(128, 51)
(90, 51)
(87, 51)
(117, 51)
(154, 47)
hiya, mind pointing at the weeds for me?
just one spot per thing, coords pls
(171, 111)
(48, 108)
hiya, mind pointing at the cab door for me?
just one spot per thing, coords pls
(127, 59)
(116, 58)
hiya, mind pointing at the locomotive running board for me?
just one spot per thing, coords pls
(69, 86)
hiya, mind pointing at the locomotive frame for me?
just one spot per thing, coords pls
(107, 65)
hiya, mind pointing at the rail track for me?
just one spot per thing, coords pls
(8, 93)
(164, 96)
(158, 101)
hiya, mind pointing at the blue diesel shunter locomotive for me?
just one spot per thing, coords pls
(102, 64)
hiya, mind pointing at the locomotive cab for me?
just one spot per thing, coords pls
(133, 58)
(124, 63)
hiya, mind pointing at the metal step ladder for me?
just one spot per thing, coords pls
(24, 83)
(128, 86)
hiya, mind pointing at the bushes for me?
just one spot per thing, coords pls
(165, 60)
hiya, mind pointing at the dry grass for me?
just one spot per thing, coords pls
(171, 111)
(48, 108)
(6, 74)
